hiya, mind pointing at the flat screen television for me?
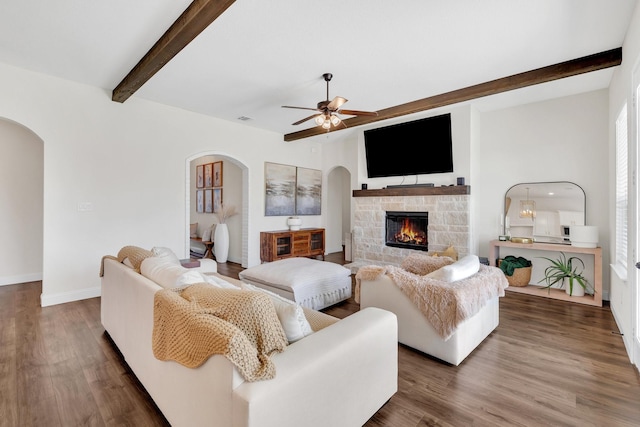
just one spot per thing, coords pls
(413, 148)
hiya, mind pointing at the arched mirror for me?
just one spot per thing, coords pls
(544, 211)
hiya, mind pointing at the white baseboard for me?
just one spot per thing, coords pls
(22, 278)
(54, 299)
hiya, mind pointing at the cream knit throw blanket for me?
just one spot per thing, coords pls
(193, 323)
(135, 254)
(445, 305)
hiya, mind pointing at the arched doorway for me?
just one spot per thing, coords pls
(233, 191)
(338, 216)
(21, 205)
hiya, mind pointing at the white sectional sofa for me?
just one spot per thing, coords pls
(340, 375)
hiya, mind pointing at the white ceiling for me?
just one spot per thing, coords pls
(260, 55)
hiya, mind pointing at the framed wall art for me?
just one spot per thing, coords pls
(217, 174)
(280, 189)
(217, 200)
(308, 191)
(208, 200)
(200, 176)
(208, 175)
(200, 201)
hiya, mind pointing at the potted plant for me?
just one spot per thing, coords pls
(567, 268)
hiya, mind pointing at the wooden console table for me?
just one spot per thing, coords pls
(596, 299)
(307, 242)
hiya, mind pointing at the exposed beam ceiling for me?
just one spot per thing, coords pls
(198, 16)
(586, 64)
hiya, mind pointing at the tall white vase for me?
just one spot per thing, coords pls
(221, 243)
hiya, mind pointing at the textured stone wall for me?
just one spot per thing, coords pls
(449, 219)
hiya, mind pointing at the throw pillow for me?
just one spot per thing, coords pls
(162, 271)
(462, 269)
(165, 253)
(291, 316)
(206, 235)
(422, 264)
(193, 229)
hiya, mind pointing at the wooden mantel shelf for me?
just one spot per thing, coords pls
(414, 191)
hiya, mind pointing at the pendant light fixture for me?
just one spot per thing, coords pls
(527, 207)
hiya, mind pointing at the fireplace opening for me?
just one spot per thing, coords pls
(407, 230)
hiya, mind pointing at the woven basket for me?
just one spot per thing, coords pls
(520, 278)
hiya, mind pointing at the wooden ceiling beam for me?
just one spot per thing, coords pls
(574, 67)
(198, 16)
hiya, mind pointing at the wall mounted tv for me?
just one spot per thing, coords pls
(399, 150)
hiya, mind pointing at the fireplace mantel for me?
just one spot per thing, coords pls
(414, 191)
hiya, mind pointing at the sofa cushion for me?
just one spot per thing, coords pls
(422, 264)
(290, 314)
(166, 253)
(461, 269)
(162, 271)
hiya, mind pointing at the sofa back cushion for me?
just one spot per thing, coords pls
(168, 274)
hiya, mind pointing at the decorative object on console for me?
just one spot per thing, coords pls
(583, 236)
(523, 240)
(516, 269)
(565, 268)
(543, 211)
(294, 223)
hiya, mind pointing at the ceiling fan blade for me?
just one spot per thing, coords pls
(357, 113)
(300, 108)
(307, 118)
(336, 103)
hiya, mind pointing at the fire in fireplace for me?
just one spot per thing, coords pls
(407, 230)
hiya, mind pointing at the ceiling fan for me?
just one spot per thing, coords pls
(327, 111)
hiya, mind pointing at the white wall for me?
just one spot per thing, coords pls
(128, 161)
(565, 139)
(21, 209)
(623, 298)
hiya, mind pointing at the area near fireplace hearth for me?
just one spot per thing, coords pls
(447, 214)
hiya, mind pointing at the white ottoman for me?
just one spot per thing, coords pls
(311, 283)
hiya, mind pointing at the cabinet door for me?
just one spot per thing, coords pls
(316, 243)
(282, 244)
(301, 243)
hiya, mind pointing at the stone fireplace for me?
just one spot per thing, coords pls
(448, 219)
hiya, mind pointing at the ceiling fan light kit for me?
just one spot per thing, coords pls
(327, 111)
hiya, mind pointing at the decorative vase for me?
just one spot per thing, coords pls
(221, 243)
(294, 223)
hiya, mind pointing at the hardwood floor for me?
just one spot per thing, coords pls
(549, 363)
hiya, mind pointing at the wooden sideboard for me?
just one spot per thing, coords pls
(596, 299)
(307, 242)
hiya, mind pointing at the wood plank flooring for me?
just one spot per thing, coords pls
(549, 363)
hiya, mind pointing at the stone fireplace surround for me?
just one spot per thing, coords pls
(449, 221)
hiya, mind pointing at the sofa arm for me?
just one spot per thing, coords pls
(207, 266)
(338, 376)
